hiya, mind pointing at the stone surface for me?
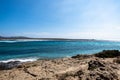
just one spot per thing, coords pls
(9, 65)
(91, 68)
(108, 54)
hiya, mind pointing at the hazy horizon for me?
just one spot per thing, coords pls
(75, 19)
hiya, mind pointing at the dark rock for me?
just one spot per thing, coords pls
(108, 54)
(80, 72)
(81, 56)
(93, 64)
(117, 60)
(44, 79)
(9, 65)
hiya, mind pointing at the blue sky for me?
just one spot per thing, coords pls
(93, 19)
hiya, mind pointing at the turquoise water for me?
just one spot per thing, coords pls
(52, 49)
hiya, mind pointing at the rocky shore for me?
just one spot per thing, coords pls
(100, 66)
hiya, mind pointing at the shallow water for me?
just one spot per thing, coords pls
(15, 50)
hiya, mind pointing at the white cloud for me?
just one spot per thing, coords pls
(94, 19)
(97, 19)
(38, 34)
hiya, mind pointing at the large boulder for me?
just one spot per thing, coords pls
(9, 65)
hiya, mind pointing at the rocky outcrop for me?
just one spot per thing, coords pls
(9, 65)
(117, 60)
(75, 68)
(93, 64)
(79, 56)
(99, 70)
(108, 54)
(96, 70)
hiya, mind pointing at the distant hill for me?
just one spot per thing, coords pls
(1, 37)
(28, 38)
(15, 37)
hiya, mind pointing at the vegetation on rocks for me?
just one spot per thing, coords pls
(108, 54)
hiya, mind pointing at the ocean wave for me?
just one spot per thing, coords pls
(21, 60)
(8, 41)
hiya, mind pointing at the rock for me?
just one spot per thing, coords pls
(108, 54)
(98, 70)
(80, 67)
(9, 65)
(44, 79)
(93, 64)
(70, 78)
(81, 56)
(117, 60)
(102, 75)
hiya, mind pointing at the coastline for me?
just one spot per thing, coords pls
(79, 67)
(22, 60)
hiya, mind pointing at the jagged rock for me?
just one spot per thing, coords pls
(102, 75)
(82, 56)
(93, 64)
(108, 54)
(117, 60)
(9, 65)
(80, 68)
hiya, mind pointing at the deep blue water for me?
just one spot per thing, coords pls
(52, 49)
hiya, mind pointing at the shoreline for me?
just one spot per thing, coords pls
(103, 65)
(22, 60)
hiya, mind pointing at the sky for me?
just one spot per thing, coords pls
(80, 19)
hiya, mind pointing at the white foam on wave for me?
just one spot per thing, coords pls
(21, 60)
(8, 41)
(68, 56)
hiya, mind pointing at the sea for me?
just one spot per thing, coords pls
(24, 50)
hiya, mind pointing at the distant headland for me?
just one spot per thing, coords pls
(30, 38)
